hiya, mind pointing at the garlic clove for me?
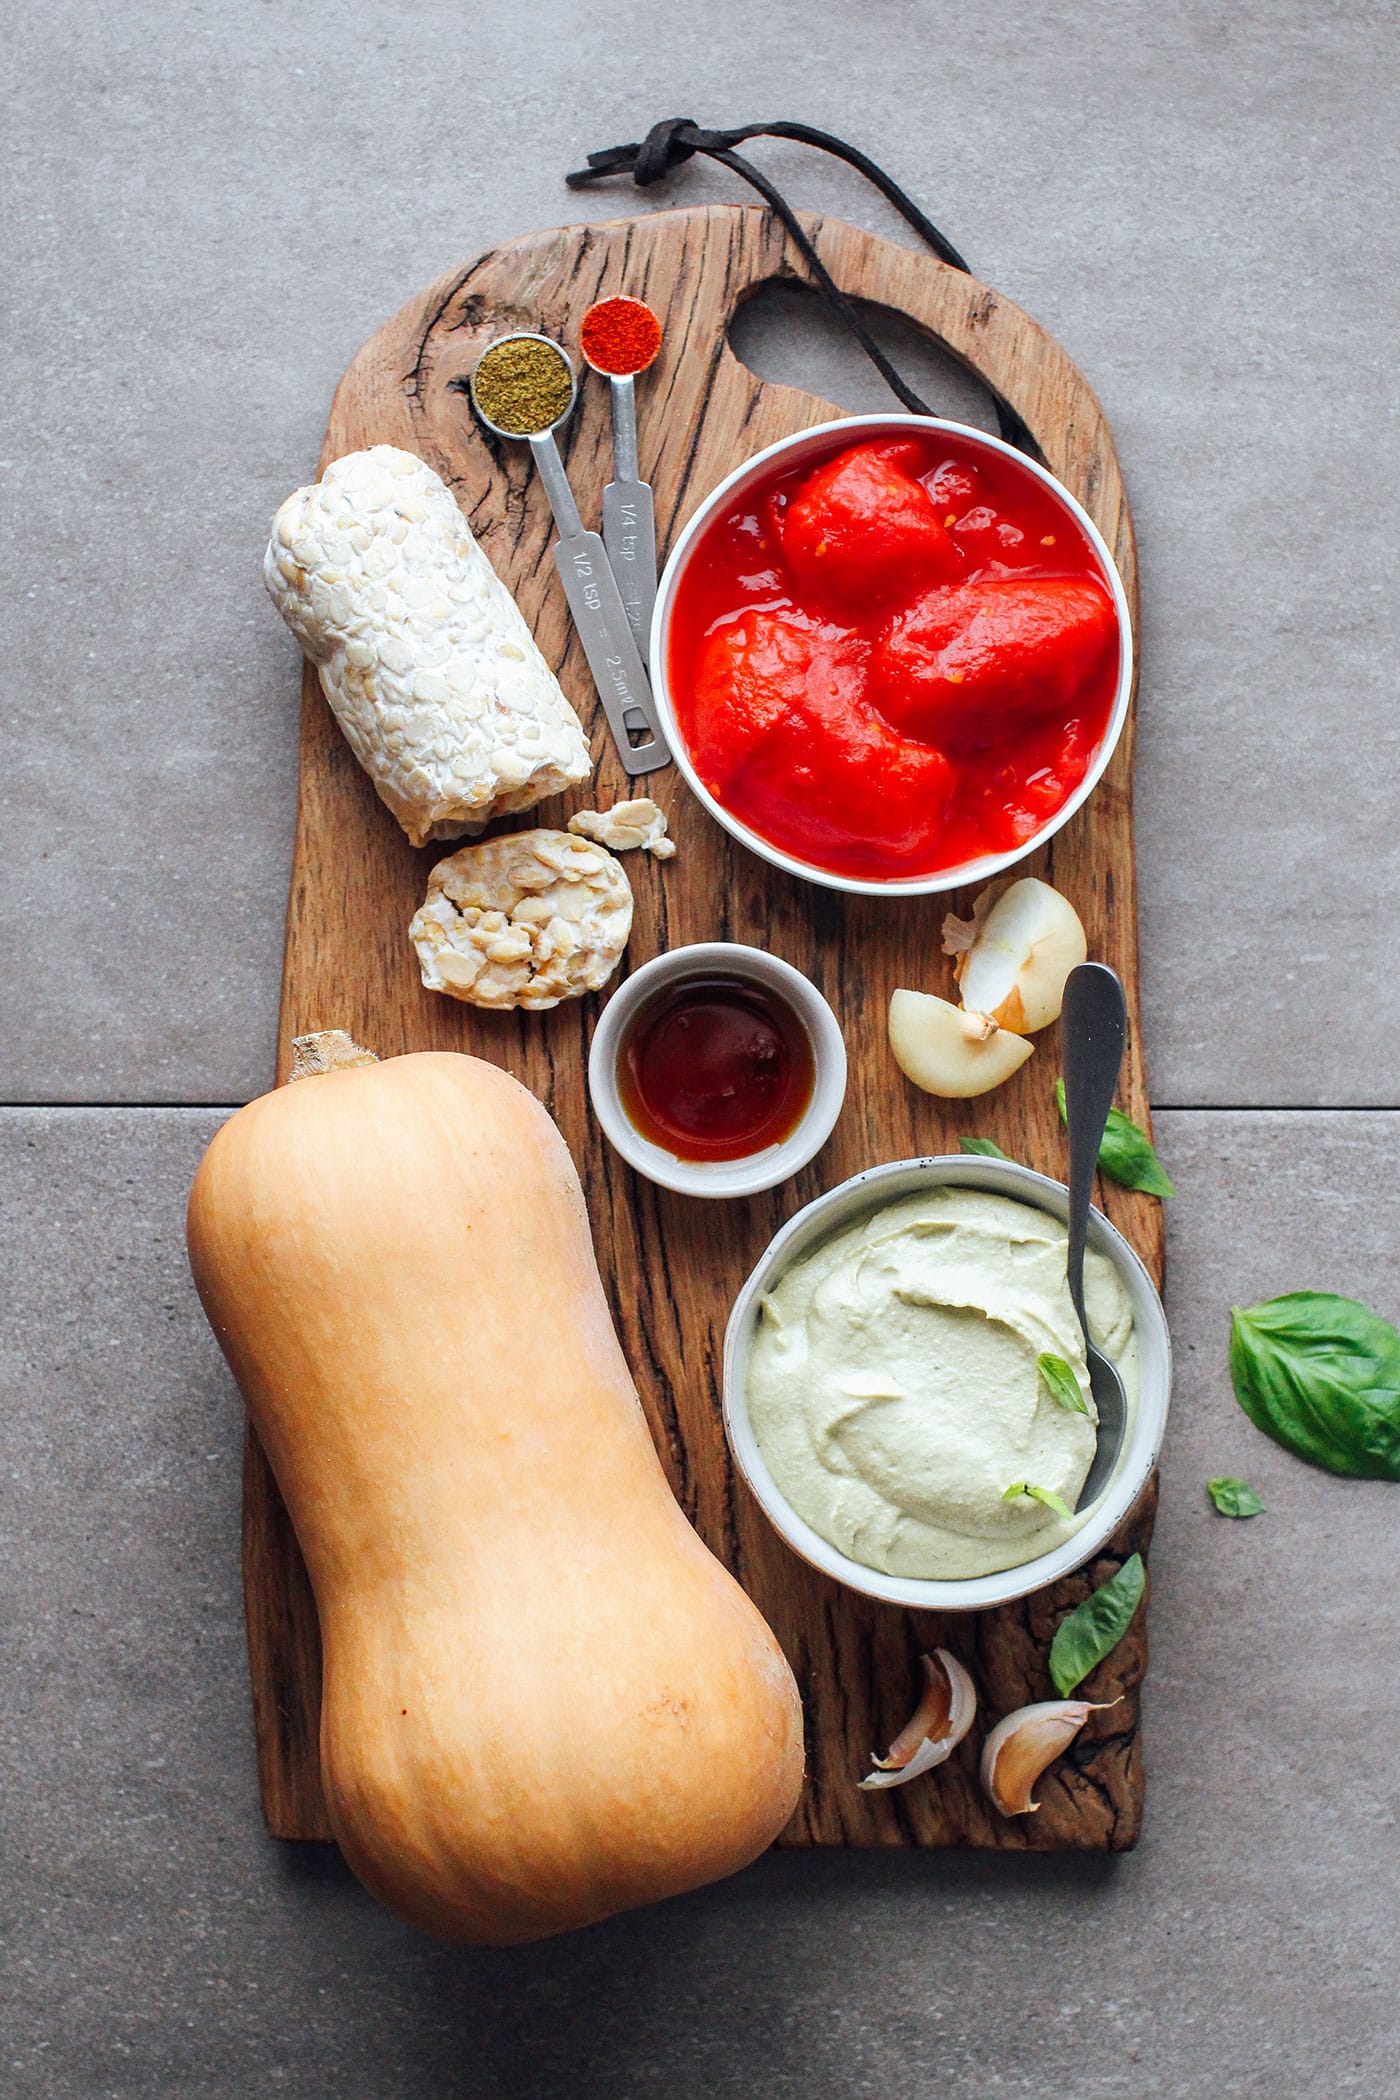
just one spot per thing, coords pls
(1021, 951)
(938, 1724)
(946, 1684)
(1020, 1748)
(949, 1051)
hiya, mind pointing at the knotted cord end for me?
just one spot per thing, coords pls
(667, 146)
(663, 148)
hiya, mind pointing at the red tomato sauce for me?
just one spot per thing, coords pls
(896, 661)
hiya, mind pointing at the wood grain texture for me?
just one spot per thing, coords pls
(672, 1267)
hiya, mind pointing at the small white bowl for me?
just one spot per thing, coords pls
(840, 1207)
(720, 1177)
(816, 444)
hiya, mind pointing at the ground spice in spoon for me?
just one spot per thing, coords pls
(620, 337)
(523, 384)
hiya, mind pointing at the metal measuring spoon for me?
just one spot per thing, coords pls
(1093, 1028)
(629, 522)
(590, 587)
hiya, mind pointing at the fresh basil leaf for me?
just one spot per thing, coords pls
(984, 1148)
(1045, 1495)
(1126, 1154)
(1321, 1376)
(1063, 1384)
(1095, 1627)
(1235, 1498)
(1052, 1501)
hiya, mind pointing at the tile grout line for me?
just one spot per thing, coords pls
(1275, 1108)
(50, 1107)
(1158, 1108)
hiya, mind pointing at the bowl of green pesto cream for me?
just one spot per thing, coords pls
(885, 1388)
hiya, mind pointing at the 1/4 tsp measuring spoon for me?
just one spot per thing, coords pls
(589, 584)
(620, 339)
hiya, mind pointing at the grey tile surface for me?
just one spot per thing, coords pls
(209, 207)
(158, 1947)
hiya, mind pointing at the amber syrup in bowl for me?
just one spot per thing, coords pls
(715, 1067)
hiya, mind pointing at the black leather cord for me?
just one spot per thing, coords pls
(672, 142)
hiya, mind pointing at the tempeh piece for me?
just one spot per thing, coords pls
(422, 652)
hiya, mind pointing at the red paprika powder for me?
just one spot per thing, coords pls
(620, 336)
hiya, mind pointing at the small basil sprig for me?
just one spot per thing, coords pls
(1064, 1386)
(1235, 1498)
(1321, 1376)
(1126, 1154)
(1095, 1627)
(1038, 1494)
(983, 1148)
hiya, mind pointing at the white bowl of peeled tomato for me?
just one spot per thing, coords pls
(892, 654)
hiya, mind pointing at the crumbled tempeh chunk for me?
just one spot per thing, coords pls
(526, 919)
(626, 825)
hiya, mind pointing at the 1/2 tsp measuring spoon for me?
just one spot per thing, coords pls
(629, 522)
(590, 587)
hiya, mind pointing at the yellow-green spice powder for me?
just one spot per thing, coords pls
(522, 385)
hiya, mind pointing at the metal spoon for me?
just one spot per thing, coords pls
(629, 524)
(1093, 1026)
(591, 589)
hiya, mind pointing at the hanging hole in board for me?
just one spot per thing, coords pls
(787, 334)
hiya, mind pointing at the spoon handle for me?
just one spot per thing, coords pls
(629, 526)
(549, 465)
(602, 623)
(1093, 1028)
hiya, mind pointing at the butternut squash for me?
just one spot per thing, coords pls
(544, 1700)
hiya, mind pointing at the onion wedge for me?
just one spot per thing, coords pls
(1020, 953)
(938, 1724)
(950, 1051)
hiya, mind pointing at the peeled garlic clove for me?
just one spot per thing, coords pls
(949, 1051)
(1019, 1748)
(1020, 954)
(938, 1724)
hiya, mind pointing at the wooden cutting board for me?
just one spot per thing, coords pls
(672, 1266)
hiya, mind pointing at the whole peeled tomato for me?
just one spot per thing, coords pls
(958, 659)
(785, 734)
(754, 677)
(862, 531)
